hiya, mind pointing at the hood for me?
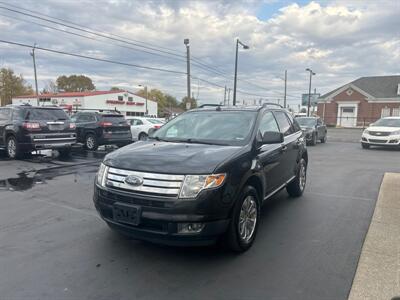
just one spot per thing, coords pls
(170, 158)
(383, 129)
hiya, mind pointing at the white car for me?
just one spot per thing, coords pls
(140, 127)
(384, 132)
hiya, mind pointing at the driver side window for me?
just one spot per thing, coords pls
(267, 123)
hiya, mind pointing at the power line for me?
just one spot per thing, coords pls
(92, 58)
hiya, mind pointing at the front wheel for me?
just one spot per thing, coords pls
(323, 140)
(365, 146)
(143, 137)
(313, 141)
(244, 223)
(296, 187)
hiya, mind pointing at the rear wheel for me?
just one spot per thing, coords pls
(365, 146)
(143, 137)
(91, 142)
(12, 148)
(296, 187)
(244, 224)
(313, 140)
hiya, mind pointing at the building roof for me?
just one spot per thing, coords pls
(376, 86)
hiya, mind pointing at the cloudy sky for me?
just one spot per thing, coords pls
(339, 40)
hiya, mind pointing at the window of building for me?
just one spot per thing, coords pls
(385, 112)
(130, 99)
(120, 98)
(396, 112)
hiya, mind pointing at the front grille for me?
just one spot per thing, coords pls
(109, 198)
(377, 141)
(379, 133)
(164, 185)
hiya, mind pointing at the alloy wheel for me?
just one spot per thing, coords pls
(90, 142)
(11, 148)
(302, 176)
(247, 219)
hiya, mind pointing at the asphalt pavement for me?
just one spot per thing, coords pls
(54, 246)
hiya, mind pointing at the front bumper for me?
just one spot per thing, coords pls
(390, 140)
(159, 218)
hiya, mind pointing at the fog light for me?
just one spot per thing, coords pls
(393, 141)
(190, 227)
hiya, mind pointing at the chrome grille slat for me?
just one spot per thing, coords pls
(167, 185)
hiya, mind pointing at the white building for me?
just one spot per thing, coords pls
(125, 102)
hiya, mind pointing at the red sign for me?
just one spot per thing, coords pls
(135, 103)
(115, 102)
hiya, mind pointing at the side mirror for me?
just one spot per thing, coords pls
(151, 131)
(272, 137)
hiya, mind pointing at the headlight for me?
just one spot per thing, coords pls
(101, 175)
(366, 131)
(397, 132)
(194, 184)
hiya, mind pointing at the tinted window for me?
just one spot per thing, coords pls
(47, 114)
(283, 122)
(296, 126)
(268, 123)
(4, 113)
(113, 118)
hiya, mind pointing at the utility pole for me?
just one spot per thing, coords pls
(229, 95)
(34, 69)
(225, 96)
(309, 91)
(284, 99)
(236, 62)
(186, 42)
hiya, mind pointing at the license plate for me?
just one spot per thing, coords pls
(56, 126)
(126, 214)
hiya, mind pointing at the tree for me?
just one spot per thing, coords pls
(50, 87)
(185, 100)
(163, 100)
(114, 88)
(12, 85)
(75, 83)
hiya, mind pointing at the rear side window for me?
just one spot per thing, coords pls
(37, 114)
(115, 119)
(137, 122)
(283, 123)
(4, 113)
(295, 124)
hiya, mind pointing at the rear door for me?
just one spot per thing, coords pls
(4, 120)
(290, 147)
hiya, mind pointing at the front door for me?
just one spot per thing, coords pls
(347, 116)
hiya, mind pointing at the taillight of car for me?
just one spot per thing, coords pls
(157, 126)
(105, 124)
(31, 125)
(72, 125)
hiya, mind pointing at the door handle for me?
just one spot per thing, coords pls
(283, 148)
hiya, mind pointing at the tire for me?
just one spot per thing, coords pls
(142, 137)
(234, 239)
(91, 142)
(65, 152)
(323, 140)
(313, 142)
(297, 186)
(12, 148)
(365, 146)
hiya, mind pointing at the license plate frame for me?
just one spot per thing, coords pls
(127, 214)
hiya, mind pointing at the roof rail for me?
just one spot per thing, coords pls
(209, 105)
(270, 103)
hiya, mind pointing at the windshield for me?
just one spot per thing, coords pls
(306, 122)
(154, 121)
(387, 122)
(46, 114)
(215, 127)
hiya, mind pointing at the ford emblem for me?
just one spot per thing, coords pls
(134, 180)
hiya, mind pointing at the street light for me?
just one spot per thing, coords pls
(309, 91)
(145, 89)
(236, 62)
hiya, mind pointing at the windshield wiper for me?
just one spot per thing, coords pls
(157, 139)
(195, 141)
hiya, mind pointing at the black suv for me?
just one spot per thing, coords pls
(26, 128)
(314, 129)
(203, 176)
(102, 128)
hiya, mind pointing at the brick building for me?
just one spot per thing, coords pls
(361, 102)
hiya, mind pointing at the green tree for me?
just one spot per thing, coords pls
(114, 88)
(75, 83)
(185, 100)
(163, 100)
(12, 85)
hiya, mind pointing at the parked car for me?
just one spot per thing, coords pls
(384, 132)
(314, 129)
(191, 184)
(140, 127)
(102, 128)
(26, 128)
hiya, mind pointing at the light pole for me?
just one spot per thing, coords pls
(236, 62)
(186, 42)
(147, 96)
(309, 91)
(34, 69)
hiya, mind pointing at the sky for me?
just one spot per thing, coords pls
(339, 40)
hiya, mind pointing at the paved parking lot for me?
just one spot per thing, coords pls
(54, 246)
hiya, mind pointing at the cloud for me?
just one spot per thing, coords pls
(339, 40)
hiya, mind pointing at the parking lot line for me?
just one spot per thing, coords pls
(378, 271)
